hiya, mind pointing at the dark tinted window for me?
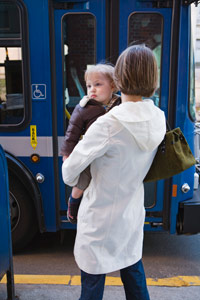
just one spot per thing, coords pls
(9, 20)
(12, 104)
(146, 28)
(79, 31)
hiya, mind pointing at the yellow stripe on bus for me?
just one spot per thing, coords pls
(178, 281)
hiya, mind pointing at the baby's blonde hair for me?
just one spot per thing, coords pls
(104, 69)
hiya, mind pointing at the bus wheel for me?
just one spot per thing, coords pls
(179, 225)
(22, 215)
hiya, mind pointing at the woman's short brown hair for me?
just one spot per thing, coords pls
(136, 71)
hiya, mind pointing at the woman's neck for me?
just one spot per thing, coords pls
(130, 98)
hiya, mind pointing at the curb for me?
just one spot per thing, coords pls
(178, 281)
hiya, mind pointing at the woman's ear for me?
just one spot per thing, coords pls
(114, 88)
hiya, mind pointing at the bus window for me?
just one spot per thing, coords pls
(79, 48)
(192, 82)
(11, 86)
(146, 28)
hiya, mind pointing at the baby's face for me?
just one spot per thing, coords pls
(99, 87)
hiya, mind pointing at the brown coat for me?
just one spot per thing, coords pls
(81, 119)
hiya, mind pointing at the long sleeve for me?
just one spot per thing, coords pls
(73, 133)
(93, 145)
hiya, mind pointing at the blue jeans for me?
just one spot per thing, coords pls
(133, 278)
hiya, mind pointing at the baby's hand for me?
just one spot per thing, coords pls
(64, 157)
(84, 101)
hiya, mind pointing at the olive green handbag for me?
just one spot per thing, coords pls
(172, 157)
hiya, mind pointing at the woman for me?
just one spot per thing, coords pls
(119, 147)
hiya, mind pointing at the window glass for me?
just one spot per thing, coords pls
(192, 82)
(9, 20)
(146, 28)
(11, 87)
(79, 48)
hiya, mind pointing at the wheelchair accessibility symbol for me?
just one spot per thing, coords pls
(39, 91)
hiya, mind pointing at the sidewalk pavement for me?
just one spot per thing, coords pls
(67, 292)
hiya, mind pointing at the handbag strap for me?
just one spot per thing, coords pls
(168, 126)
(162, 145)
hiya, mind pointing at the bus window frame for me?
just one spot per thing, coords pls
(161, 53)
(26, 77)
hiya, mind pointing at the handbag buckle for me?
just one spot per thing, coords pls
(162, 146)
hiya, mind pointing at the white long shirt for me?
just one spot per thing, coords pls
(119, 147)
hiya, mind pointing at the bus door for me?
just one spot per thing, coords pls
(79, 42)
(182, 114)
(88, 32)
(149, 23)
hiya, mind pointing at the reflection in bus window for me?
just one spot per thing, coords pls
(146, 28)
(11, 87)
(79, 53)
(192, 82)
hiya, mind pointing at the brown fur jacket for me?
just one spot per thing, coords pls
(81, 119)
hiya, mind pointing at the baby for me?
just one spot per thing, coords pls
(100, 99)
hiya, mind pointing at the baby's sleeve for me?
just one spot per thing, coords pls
(93, 145)
(74, 131)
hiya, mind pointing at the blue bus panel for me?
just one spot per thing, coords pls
(45, 48)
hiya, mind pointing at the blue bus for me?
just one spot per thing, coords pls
(45, 47)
